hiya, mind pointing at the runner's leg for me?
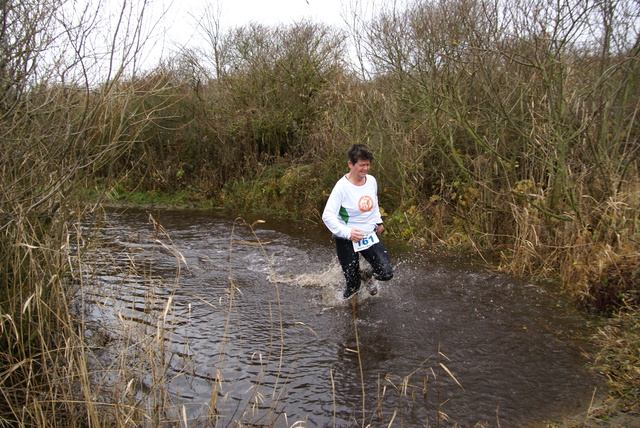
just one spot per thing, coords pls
(379, 259)
(350, 262)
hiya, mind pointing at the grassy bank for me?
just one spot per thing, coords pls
(617, 360)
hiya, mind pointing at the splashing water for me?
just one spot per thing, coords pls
(261, 333)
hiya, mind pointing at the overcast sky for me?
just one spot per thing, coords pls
(179, 27)
(181, 21)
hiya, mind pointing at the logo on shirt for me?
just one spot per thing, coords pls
(365, 203)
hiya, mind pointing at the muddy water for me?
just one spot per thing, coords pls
(261, 334)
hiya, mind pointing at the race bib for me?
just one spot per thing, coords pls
(366, 242)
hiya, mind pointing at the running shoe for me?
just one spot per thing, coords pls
(373, 289)
(367, 277)
(349, 292)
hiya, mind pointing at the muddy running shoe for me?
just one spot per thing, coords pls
(349, 292)
(366, 274)
(373, 289)
(367, 277)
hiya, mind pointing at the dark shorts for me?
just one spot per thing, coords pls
(377, 256)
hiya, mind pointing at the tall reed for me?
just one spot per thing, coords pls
(59, 126)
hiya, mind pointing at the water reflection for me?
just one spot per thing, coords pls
(260, 333)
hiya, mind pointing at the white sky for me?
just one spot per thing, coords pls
(179, 27)
(282, 11)
(181, 20)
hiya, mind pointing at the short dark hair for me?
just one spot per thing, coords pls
(359, 152)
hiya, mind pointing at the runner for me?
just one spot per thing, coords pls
(353, 216)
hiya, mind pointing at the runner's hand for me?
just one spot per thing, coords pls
(356, 235)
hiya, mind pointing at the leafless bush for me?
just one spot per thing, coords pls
(58, 127)
(523, 113)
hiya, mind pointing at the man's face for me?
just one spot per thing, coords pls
(360, 168)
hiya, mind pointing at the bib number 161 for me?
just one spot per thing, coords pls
(366, 242)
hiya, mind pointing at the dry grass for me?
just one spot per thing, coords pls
(619, 360)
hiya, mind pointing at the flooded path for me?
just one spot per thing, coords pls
(259, 334)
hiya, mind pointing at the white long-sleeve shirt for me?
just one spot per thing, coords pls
(352, 207)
